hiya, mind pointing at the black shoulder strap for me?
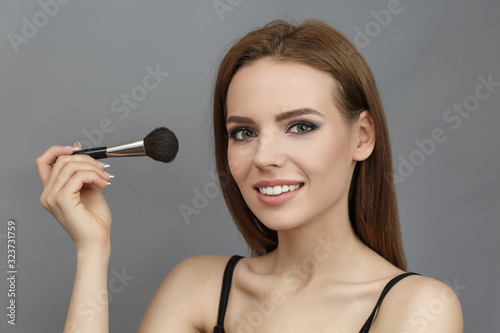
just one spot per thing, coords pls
(387, 287)
(224, 295)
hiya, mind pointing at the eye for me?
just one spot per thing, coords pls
(302, 128)
(242, 134)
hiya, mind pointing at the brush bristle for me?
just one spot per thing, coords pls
(161, 145)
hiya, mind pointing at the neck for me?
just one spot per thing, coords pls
(326, 247)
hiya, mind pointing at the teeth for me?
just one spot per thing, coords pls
(277, 190)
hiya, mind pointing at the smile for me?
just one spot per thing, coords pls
(277, 190)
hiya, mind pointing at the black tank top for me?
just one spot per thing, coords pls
(226, 286)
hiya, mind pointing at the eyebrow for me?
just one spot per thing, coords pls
(280, 117)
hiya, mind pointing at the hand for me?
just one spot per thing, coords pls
(72, 194)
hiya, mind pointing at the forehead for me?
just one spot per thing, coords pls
(276, 86)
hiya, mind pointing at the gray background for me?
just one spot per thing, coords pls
(64, 80)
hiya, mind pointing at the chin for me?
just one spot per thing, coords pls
(279, 222)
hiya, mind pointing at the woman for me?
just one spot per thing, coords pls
(303, 156)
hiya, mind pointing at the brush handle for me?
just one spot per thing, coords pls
(97, 153)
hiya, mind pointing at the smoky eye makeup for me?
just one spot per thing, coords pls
(297, 127)
(302, 127)
(240, 133)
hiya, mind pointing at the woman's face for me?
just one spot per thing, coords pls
(289, 150)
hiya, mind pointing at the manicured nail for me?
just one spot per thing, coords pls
(69, 147)
(108, 183)
(102, 164)
(108, 174)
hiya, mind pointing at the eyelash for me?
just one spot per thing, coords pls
(233, 133)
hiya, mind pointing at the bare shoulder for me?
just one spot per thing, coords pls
(420, 304)
(199, 269)
(187, 299)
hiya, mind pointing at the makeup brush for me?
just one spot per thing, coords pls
(161, 145)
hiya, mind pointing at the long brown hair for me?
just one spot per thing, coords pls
(373, 209)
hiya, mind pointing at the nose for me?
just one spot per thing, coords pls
(269, 151)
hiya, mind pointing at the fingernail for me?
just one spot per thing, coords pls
(68, 147)
(108, 183)
(108, 174)
(77, 145)
(102, 164)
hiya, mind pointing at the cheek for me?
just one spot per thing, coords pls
(233, 163)
(239, 158)
(329, 159)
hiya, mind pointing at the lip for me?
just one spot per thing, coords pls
(278, 199)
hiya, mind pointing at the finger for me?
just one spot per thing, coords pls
(71, 191)
(70, 168)
(64, 167)
(76, 162)
(44, 162)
